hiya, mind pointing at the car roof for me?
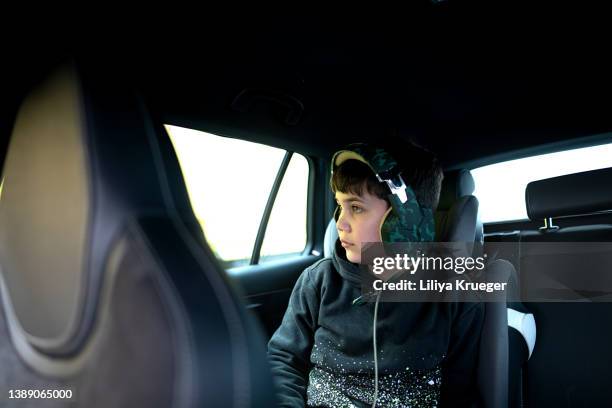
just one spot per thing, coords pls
(474, 85)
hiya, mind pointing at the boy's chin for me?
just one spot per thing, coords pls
(354, 257)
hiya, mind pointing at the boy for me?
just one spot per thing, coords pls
(322, 354)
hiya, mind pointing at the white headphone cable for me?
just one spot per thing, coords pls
(375, 350)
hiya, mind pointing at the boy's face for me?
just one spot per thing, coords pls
(359, 221)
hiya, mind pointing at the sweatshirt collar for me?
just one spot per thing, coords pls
(348, 270)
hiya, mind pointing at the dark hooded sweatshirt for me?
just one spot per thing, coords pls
(322, 353)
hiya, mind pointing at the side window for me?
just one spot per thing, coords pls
(286, 230)
(230, 182)
(500, 187)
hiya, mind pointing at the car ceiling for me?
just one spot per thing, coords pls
(473, 84)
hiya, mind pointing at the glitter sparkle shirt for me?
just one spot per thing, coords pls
(322, 353)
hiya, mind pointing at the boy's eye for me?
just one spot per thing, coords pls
(356, 209)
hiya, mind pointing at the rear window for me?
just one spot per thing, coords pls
(229, 182)
(500, 187)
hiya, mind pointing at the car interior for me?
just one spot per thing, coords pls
(114, 286)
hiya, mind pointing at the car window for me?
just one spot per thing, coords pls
(500, 187)
(286, 230)
(229, 182)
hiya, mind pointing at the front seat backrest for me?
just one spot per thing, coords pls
(457, 220)
(108, 288)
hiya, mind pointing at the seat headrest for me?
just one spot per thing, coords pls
(329, 241)
(456, 184)
(83, 161)
(573, 194)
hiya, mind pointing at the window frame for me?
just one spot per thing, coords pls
(265, 217)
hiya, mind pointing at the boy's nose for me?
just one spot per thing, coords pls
(342, 225)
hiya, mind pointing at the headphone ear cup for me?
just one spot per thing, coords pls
(387, 217)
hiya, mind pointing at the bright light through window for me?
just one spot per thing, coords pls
(228, 181)
(500, 187)
(286, 231)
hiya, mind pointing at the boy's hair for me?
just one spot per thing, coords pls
(420, 169)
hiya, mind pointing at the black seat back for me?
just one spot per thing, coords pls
(571, 361)
(108, 287)
(457, 220)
